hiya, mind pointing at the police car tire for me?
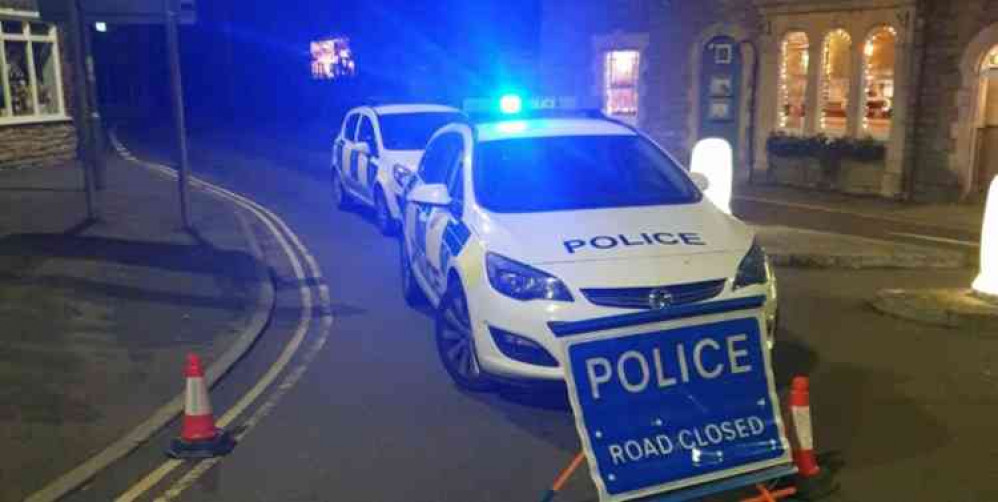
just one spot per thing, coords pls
(382, 216)
(341, 198)
(454, 306)
(414, 296)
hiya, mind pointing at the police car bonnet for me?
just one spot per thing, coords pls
(618, 233)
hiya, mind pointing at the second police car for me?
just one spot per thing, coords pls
(515, 223)
(376, 152)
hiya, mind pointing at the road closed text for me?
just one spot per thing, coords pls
(638, 371)
(702, 441)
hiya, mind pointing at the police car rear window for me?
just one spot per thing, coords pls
(566, 173)
(411, 131)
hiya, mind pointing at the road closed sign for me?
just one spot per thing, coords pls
(666, 405)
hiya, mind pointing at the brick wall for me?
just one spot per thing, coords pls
(948, 28)
(40, 144)
(18, 4)
(37, 144)
(673, 29)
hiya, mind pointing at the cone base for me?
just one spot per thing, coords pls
(817, 487)
(220, 445)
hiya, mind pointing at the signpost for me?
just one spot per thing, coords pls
(680, 401)
(86, 134)
(80, 15)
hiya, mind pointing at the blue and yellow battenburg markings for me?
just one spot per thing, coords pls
(456, 235)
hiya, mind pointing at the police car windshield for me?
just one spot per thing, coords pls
(411, 131)
(565, 173)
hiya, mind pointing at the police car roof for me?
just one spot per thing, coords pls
(413, 108)
(540, 128)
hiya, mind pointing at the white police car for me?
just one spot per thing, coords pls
(376, 152)
(512, 224)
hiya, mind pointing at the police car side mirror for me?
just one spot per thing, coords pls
(701, 181)
(430, 195)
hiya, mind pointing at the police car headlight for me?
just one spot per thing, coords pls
(754, 268)
(523, 282)
(401, 174)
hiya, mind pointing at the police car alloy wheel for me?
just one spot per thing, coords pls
(455, 342)
(382, 215)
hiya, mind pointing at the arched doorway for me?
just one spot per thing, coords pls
(986, 126)
(721, 94)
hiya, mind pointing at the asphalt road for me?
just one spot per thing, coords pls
(901, 411)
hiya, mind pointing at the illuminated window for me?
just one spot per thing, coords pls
(836, 74)
(30, 79)
(878, 82)
(621, 82)
(794, 62)
(332, 59)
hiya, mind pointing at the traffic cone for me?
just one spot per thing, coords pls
(812, 482)
(800, 411)
(199, 438)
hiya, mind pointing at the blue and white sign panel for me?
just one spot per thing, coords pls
(665, 406)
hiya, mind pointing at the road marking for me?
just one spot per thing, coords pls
(872, 216)
(282, 235)
(941, 240)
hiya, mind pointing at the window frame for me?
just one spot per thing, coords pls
(783, 82)
(865, 129)
(608, 81)
(824, 83)
(372, 142)
(441, 146)
(7, 116)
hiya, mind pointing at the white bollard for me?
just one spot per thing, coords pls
(713, 158)
(987, 281)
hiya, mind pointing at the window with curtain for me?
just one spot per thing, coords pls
(836, 77)
(620, 93)
(30, 84)
(794, 62)
(878, 82)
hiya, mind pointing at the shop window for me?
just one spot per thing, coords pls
(878, 82)
(30, 82)
(836, 77)
(621, 82)
(795, 58)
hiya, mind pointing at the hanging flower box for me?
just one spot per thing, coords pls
(818, 162)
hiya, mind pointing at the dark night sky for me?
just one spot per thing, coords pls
(434, 49)
(249, 58)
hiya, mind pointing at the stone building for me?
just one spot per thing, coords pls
(35, 123)
(902, 94)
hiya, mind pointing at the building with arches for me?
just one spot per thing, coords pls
(915, 82)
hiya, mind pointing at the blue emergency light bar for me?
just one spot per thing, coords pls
(511, 106)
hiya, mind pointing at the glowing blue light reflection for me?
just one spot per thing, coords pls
(510, 104)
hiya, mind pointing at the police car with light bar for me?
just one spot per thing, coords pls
(376, 152)
(539, 214)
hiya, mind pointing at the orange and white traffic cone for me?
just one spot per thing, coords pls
(800, 411)
(812, 482)
(199, 438)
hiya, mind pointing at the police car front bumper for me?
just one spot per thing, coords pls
(496, 319)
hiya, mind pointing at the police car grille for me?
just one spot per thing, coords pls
(637, 298)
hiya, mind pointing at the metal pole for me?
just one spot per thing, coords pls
(96, 126)
(173, 47)
(84, 131)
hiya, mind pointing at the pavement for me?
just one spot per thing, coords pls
(972, 314)
(99, 316)
(900, 408)
(960, 216)
(795, 247)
